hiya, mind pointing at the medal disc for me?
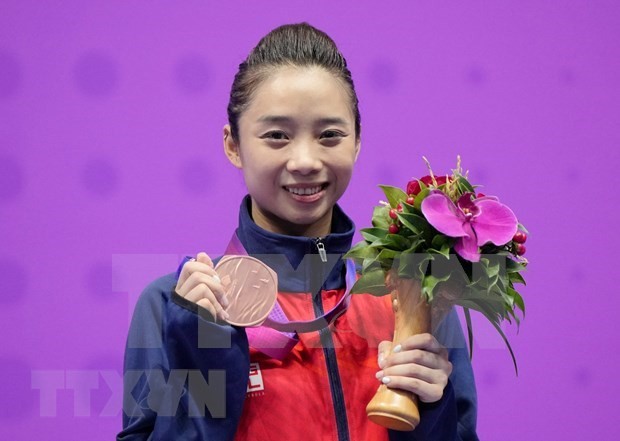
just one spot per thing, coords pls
(251, 288)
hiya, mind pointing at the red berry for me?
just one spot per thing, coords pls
(393, 214)
(520, 249)
(399, 207)
(393, 229)
(410, 200)
(520, 237)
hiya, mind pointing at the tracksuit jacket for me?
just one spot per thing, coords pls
(188, 377)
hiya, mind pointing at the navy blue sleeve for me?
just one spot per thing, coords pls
(453, 418)
(185, 375)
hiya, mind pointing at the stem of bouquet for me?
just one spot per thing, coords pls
(394, 408)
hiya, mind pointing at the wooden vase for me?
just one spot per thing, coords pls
(394, 408)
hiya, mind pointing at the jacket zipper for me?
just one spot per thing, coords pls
(321, 248)
(327, 342)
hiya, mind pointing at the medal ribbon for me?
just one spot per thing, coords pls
(277, 335)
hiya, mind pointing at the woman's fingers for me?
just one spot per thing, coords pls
(199, 283)
(383, 351)
(421, 341)
(427, 383)
(203, 296)
(419, 364)
(427, 392)
(194, 266)
(212, 282)
(420, 357)
(203, 257)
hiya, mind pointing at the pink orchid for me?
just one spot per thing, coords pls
(473, 221)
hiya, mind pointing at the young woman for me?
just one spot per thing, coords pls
(294, 131)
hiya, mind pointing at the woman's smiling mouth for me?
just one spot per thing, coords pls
(306, 193)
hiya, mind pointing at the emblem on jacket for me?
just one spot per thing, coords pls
(255, 381)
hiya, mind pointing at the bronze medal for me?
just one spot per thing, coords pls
(251, 289)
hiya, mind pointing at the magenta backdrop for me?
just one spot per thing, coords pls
(111, 167)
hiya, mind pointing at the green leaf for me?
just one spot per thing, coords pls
(508, 297)
(386, 254)
(522, 228)
(415, 223)
(470, 332)
(371, 282)
(512, 354)
(513, 266)
(394, 195)
(429, 283)
(380, 217)
(492, 316)
(372, 234)
(440, 240)
(444, 250)
(413, 265)
(361, 251)
(417, 202)
(518, 300)
(463, 185)
(370, 264)
(492, 268)
(392, 241)
(516, 278)
(416, 242)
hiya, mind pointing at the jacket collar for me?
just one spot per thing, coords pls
(296, 259)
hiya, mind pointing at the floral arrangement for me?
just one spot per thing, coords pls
(443, 233)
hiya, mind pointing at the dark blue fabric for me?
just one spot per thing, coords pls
(172, 341)
(167, 344)
(294, 258)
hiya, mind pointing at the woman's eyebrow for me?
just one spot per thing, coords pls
(286, 119)
(332, 120)
(274, 119)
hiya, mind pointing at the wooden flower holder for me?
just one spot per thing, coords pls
(391, 408)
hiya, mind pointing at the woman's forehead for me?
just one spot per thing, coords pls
(300, 92)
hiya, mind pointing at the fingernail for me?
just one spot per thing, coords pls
(397, 348)
(379, 375)
(217, 279)
(386, 380)
(225, 302)
(225, 315)
(381, 362)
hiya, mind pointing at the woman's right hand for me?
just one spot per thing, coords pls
(199, 283)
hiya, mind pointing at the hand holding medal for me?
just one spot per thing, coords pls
(240, 290)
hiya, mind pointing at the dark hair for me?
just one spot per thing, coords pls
(294, 45)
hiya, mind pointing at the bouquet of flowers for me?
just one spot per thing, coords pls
(440, 231)
(437, 244)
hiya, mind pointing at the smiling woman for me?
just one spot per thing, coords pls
(296, 146)
(294, 131)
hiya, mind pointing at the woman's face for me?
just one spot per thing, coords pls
(297, 147)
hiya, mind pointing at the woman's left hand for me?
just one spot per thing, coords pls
(419, 364)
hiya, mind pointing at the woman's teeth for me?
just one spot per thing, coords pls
(304, 191)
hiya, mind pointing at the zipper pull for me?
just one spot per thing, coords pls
(321, 247)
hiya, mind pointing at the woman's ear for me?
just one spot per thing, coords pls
(231, 148)
(358, 146)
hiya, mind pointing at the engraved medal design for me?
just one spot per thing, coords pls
(251, 289)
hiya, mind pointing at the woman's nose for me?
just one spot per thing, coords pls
(304, 158)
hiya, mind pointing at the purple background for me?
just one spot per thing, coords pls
(111, 166)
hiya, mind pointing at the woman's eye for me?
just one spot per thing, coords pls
(275, 135)
(331, 134)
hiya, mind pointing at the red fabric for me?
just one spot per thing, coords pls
(295, 401)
